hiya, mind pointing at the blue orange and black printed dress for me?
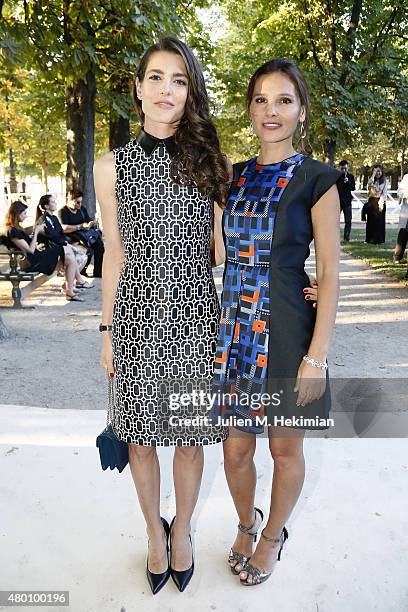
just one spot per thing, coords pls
(241, 362)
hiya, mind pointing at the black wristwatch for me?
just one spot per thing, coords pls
(103, 328)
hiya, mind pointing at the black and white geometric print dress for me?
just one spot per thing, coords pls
(166, 309)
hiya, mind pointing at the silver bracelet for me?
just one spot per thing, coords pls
(318, 364)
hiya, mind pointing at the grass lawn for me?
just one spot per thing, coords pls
(378, 256)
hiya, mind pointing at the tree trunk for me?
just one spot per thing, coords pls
(44, 177)
(329, 149)
(80, 100)
(13, 171)
(366, 176)
(402, 163)
(119, 132)
(394, 179)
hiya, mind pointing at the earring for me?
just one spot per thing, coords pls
(251, 127)
(302, 130)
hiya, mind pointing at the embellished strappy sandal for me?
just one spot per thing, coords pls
(257, 576)
(239, 557)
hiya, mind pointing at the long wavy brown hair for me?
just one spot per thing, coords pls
(14, 211)
(198, 159)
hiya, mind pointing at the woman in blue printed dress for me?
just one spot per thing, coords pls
(272, 347)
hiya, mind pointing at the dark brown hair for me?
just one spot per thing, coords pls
(382, 177)
(293, 72)
(42, 206)
(15, 209)
(76, 193)
(198, 159)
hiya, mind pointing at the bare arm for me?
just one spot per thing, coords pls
(219, 245)
(104, 178)
(218, 238)
(68, 229)
(326, 230)
(311, 381)
(23, 245)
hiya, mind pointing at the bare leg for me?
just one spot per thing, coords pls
(239, 466)
(71, 255)
(145, 469)
(70, 269)
(82, 265)
(188, 466)
(286, 447)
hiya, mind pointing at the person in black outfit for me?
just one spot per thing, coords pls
(79, 227)
(54, 235)
(375, 209)
(48, 260)
(45, 261)
(346, 185)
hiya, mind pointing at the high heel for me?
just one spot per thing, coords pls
(239, 557)
(181, 578)
(157, 581)
(257, 576)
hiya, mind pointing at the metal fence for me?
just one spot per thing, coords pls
(359, 199)
(393, 205)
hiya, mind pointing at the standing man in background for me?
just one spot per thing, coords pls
(346, 185)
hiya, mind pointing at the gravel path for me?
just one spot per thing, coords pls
(52, 358)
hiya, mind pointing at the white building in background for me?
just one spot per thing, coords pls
(33, 191)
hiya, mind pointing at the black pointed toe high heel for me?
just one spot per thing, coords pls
(183, 577)
(157, 581)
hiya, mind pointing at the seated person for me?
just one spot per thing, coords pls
(46, 261)
(78, 225)
(54, 234)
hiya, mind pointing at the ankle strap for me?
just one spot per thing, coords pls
(244, 529)
(276, 540)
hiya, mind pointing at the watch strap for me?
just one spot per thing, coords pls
(103, 328)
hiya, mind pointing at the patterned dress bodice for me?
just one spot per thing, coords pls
(251, 209)
(242, 350)
(166, 310)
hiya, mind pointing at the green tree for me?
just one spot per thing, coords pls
(37, 132)
(78, 45)
(353, 54)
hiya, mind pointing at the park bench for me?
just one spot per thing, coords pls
(10, 270)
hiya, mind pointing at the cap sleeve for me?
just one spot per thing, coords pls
(325, 179)
(12, 233)
(237, 170)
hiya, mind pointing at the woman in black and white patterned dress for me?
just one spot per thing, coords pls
(157, 196)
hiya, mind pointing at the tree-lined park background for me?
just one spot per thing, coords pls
(67, 66)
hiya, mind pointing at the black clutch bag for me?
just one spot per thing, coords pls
(113, 452)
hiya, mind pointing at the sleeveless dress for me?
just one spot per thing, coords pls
(166, 309)
(266, 325)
